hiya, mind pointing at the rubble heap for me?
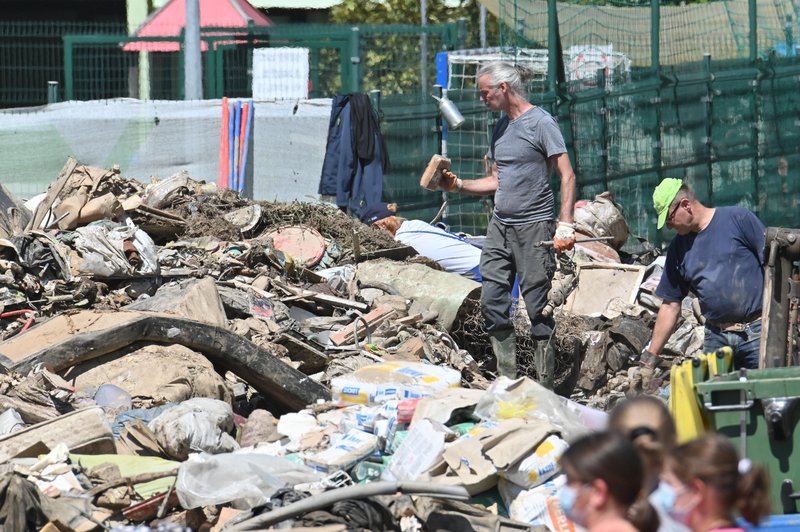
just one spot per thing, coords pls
(178, 356)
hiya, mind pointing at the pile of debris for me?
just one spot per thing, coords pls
(179, 356)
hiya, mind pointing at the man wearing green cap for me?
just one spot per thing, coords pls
(718, 255)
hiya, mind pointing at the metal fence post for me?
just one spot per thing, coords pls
(552, 46)
(52, 92)
(375, 99)
(461, 33)
(655, 34)
(752, 14)
(708, 99)
(354, 81)
(601, 84)
(69, 79)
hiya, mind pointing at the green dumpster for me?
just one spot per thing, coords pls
(758, 410)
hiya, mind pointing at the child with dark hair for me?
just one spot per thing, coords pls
(603, 492)
(704, 481)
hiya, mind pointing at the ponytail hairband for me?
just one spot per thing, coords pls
(745, 465)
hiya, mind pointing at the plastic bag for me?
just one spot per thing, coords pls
(527, 399)
(244, 480)
(196, 425)
(602, 217)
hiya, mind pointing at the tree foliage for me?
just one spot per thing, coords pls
(391, 62)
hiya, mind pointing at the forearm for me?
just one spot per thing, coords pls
(666, 320)
(479, 187)
(567, 199)
(567, 193)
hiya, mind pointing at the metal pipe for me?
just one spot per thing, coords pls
(423, 48)
(358, 491)
(784, 248)
(192, 67)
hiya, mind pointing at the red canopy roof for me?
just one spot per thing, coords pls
(171, 18)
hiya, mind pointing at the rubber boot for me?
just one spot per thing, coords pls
(504, 345)
(545, 361)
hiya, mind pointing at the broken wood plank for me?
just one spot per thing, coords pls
(52, 193)
(303, 293)
(311, 359)
(373, 320)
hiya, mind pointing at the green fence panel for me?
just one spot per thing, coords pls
(31, 55)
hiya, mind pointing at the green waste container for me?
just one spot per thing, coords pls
(759, 411)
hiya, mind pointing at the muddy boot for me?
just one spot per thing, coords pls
(545, 361)
(504, 345)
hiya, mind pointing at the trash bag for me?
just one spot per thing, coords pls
(195, 425)
(527, 399)
(602, 217)
(106, 250)
(243, 480)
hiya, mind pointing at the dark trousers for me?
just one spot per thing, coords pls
(508, 251)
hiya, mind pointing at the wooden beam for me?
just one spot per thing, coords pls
(287, 387)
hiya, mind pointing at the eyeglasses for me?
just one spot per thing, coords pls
(671, 214)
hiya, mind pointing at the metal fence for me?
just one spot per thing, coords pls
(90, 61)
(710, 94)
(730, 127)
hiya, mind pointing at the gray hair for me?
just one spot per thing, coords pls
(515, 76)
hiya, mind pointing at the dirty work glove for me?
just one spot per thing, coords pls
(648, 359)
(450, 182)
(564, 239)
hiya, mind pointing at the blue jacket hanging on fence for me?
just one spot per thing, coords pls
(355, 154)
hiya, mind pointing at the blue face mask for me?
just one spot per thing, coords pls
(567, 495)
(665, 496)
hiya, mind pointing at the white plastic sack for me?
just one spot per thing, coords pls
(102, 250)
(244, 480)
(195, 425)
(527, 399)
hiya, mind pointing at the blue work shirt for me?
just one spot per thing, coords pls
(722, 265)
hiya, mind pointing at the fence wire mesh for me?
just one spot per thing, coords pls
(685, 32)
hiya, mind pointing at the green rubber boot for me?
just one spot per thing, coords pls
(504, 345)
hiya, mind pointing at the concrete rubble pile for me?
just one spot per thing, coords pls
(176, 357)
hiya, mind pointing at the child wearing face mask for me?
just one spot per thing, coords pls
(646, 422)
(704, 481)
(603, 492)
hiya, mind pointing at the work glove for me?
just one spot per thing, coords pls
(450, 182)
(646, 359)
(564, 239)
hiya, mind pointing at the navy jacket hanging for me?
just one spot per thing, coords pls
(355, 155)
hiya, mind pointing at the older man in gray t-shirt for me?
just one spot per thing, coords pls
(526, 146)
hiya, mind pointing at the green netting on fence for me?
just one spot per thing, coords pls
(685, 33)
(730, 129)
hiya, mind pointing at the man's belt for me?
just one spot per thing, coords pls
(730, 326)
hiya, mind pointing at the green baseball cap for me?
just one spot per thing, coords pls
(663, 195)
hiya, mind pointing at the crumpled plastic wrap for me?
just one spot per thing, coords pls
(602, 217)
(195, 425)
(103, 250)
